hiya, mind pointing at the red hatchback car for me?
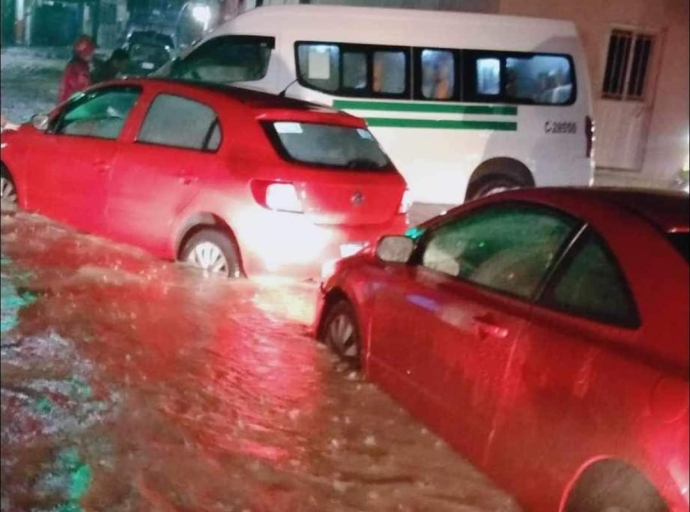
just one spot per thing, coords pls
(543, 333)
(230, 180)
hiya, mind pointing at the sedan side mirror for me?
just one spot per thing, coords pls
(395, 249)
(40, 122)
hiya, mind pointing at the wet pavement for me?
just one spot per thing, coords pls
(132, 384)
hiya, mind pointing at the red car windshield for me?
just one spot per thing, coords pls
(328, 145)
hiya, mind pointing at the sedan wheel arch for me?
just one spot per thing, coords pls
(610, 484)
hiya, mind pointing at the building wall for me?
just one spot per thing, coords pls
(667, 146)
(666, 143)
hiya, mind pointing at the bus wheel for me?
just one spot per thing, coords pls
(491, 185)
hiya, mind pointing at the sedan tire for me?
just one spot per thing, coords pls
(341, 333)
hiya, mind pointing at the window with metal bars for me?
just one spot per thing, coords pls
(627, 65)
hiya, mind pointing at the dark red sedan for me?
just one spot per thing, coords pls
(543, 333)
(231, 181)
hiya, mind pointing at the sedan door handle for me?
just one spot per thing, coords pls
(488, 328)
(187, 180)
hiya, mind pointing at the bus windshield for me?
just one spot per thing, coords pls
(224, 60)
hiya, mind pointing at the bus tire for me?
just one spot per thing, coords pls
(492, 184)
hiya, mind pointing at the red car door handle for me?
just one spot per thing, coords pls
(101, 166)
(486, 327)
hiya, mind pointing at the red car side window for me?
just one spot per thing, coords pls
(101, 113)
(590, 284)
(509, 248)
(182, 123)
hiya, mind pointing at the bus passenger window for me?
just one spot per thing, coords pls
(542, 79)
(488, 76)
(354, 70)
(438, 75)
(389, 72)
(319, 65)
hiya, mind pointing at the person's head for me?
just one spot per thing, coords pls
(119, 59)
(445, 69)
(84, 48)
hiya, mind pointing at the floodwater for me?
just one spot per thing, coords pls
(132, 384)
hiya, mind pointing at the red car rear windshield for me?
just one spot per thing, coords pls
(328, 145)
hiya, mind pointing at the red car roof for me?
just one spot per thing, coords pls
(270, 106)
(669, 211)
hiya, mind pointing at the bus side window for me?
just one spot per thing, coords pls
(390, 72)
(518, 78)
(488, 76)
(542, 79)
(438, 74)
(319, 65)
(355, 74)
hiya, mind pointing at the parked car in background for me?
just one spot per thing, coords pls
(148, 51)
(543, 333)
(147, 57)
(228, 180)
(136, 36)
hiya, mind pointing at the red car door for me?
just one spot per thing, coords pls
(444, 331)
(71, 183)
(580, 386)
(155, 177)
(443, 353)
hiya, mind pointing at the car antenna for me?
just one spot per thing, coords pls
(282, 93)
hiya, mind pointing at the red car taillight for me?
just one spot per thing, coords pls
(281, 197)
(589, 133)
(405, 202)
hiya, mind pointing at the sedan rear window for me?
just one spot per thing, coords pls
(681, 241)
(328, 145)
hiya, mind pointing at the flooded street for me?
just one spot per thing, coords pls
(132, 384)
(30, 79)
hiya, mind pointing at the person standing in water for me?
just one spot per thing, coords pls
(77, 75)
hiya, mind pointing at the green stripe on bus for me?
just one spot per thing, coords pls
(390, 106)
(389, 122)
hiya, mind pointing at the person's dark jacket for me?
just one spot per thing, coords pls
(104, 72)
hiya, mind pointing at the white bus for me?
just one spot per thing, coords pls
(464, 104)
